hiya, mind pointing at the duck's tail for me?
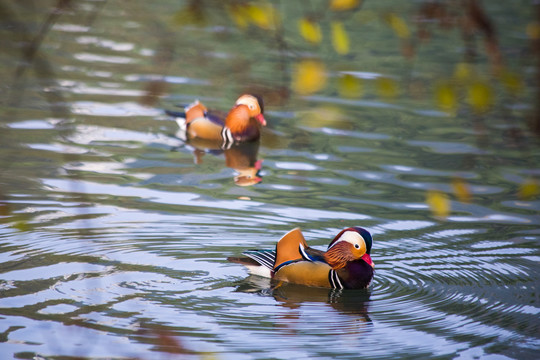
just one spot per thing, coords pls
(180, 118)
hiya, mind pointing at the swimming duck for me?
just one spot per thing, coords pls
(241, 124)
(346, 264)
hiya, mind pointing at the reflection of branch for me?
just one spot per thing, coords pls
(32, 56)
(478, 20)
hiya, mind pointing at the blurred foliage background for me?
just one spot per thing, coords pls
(447, 57)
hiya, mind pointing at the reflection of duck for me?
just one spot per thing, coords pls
(292, 295)
(345, 264)
(241, 124)
(241, 157)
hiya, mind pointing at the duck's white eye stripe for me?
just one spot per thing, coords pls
(351, 237)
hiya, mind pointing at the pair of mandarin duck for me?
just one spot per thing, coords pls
(346, 264)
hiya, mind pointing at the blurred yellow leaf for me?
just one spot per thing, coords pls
(309, 76)
(340, 5)
(239, 15)
(310, 30)
(533, 30)
(350, 86)
(446, 96)
(512, 82)
(480, 96)
(529, 190)
(4, 209)
(386, 87)
(438, 203)
(192, 14)
(462, 72)
(263, 15)
(324, 116)
(461, 190)
(21, 226)
(398, 25)
(340, 39)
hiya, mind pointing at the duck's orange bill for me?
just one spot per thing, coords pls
(260, 118)
(367, 259)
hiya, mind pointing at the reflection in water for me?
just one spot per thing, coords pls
(241, 157)
(292, 296)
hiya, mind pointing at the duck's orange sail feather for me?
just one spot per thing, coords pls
(288, 247)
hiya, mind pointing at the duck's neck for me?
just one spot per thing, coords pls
(240, 123)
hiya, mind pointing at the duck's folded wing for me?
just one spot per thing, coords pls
(311, 273)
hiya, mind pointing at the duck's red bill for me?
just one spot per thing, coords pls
(367, 259)
(260, 118)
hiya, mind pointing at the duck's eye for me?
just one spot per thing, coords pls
(252, 107)
(357, 246)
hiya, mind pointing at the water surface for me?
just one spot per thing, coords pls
(114, 233)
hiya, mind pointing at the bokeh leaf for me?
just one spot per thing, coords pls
(387, 87)
(325, 116)
(480, 96)
(263, 15)
(512, 82)
(22, 226)
(438, 202)
(342, 5)
(192, 14)
(239, 14)
(446, 96)
(529, 190)
(533, 30)
(463, 72)
(461, 190)
(400, 27)
(310, 30)
(340, 39)
(350, 86)
(309, 76)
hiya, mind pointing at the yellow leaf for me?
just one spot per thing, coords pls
(310, 30)
(446, 96)
(512, 82)
(398, 25)
(309, 76)
(349, 86)
(192, 14)
(461, 190)
(324, 116)
(529, 190)
(4, 209)
(463, 72)
(386, 87)
(533, 30)
(341, 5)
(263, 15)
(480, 96)
(438, 203)
(340, 39)
(22, 226)
(239, 15)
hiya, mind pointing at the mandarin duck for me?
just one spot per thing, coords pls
(241, 124)
(346, 264)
